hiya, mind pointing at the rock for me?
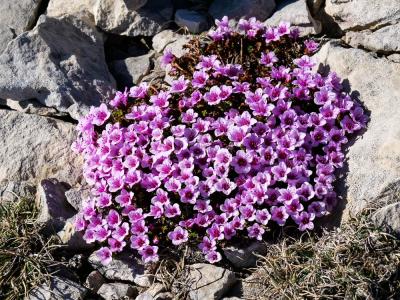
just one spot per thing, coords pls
(235, 9)
(385, 40)
(209, 281)
(82, 9)
(247, 257)
(124, 266)
(130, 71)
(31, 106)
(54, 210)
(35, 148)
(152, 293)
(388, 217)
(116, 291)
(373, 158)
(76, 196)
(94, 281)
(133, 17)
(295, 12)
(176, 47)
(194, 21)
(164, 38)
(72, 239)
(394, 57)
(362, 14)
(60, 63)
(13, 191)
(17, 16)
(59, 289)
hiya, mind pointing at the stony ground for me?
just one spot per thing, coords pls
(60, 57)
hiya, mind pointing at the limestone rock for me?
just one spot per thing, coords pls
(31, 106)
(72, 239)
(94, 281)
(13, 191)
(82, 9)
(209, 281)
(76, 196)
(60, 63)
(17, 16)
(164, 38)
(373, 158)
(152, 293)
(35, 148)
(176, 47)
(116, 291)
(245, 257)
(394, 57)
(384, 40)
(54, 209)
(124, 266)
(235, 9)
(389, 217)
(59, 289)
(194, 21)
(130, 71)
(133, 17)
(362, 14)
(295, 12)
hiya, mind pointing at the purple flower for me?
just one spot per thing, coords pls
(179, 85)
(279, 215)
(178, 236)
(241, 162)
(139, 241)
(207, 245)
(149, 254)
(200, 78)
(167, 57)
(268, 59)
(213, 257)
(304, 220)
(105, 255)
(100, 115)
(213, 96)
(255, 231)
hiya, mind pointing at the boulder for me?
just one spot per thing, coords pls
(54, 210)
(60, 64)
(130, 71)
(83, 9)
(245, 257)
(394, 57)
(17, 16)
(94, 281)
(133, 17)
(295, 12)
(76, 196)
(388, 217)
(357, 15)
(35, 148)
(125, 267)
(164, 38)
(235, 9)
(116, 291)
(31, 106)
(194, 21)
(385, 40)
(372, 169)
(209, 281)
(60, 289)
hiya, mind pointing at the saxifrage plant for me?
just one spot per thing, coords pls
(246, 137)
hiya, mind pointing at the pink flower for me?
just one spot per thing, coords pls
(171, 211)
(213, 257)
(256, 231)
(279, 215)
(149, 254)
(213, 96)
(105, 255)
(100, 115)
(179, 85)
(304, 220)
(241, 162)
(178, 236)
(139, 241)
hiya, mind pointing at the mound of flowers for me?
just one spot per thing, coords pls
(246, 138)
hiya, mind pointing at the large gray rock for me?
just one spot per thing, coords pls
(60, 63)
(35, 148)
(54, 210)
(373, 161)
(362, 14)
(384, 40)
(82, 9)
(17, 16)
(59, 289)
(235, 9)
(389, 217)
(209, 281)
(124, 266)
(295, 12)
(130, 71)
(194, 21)
(116, 291)
(133, 17)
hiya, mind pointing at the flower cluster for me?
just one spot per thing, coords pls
(246, 137)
